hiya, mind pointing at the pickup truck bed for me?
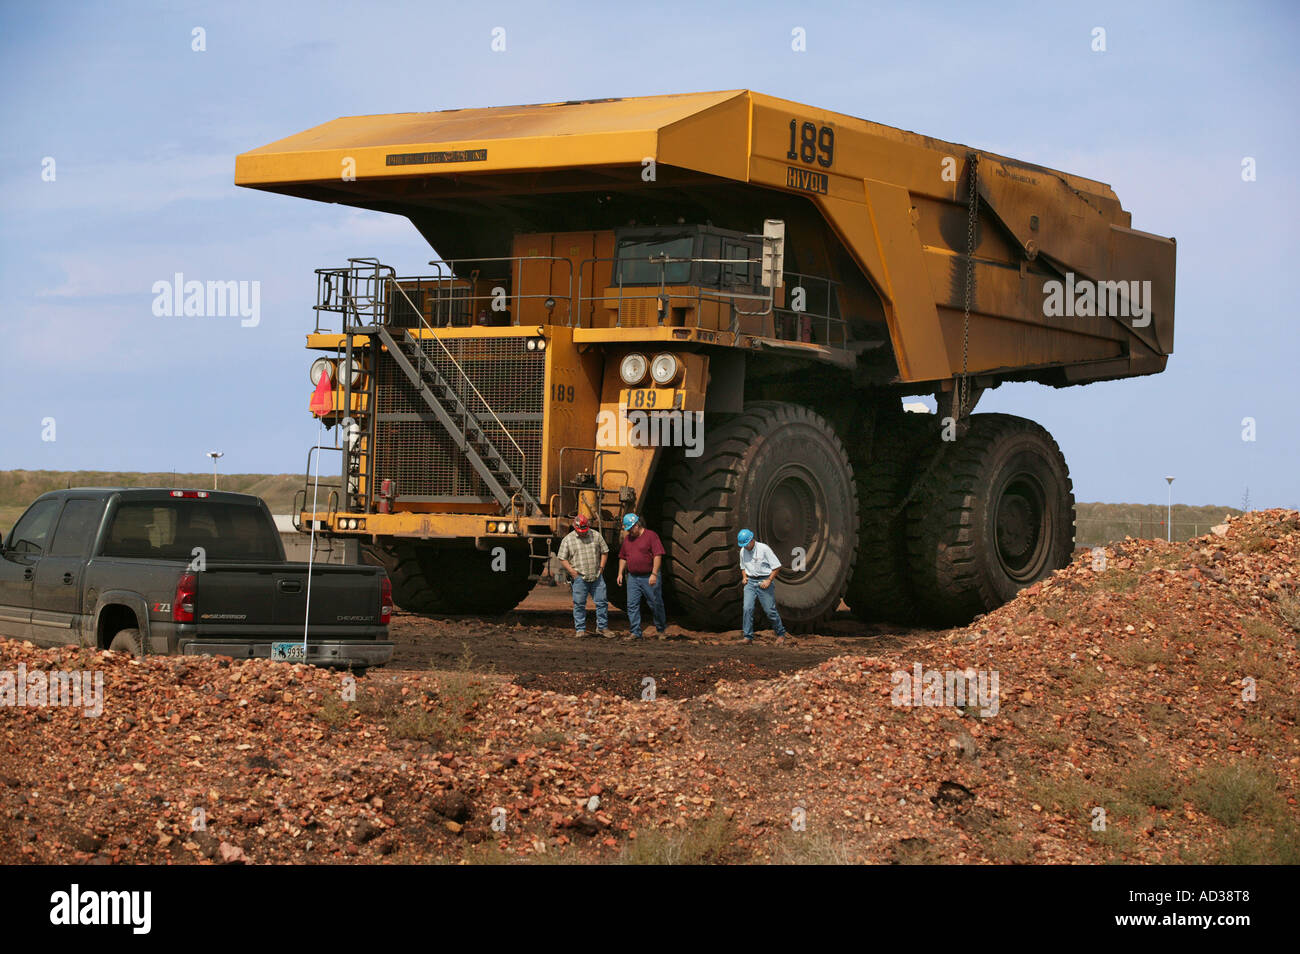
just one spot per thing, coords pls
(168, 571)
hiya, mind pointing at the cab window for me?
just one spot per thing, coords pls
(77, 527)
(32, 532)
(174, 529)
(737, 271)
(635, 265)
(711, 273)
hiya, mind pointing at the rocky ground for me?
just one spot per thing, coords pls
(1145, 711)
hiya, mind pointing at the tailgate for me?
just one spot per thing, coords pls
(243, 599)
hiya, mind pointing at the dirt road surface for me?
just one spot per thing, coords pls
(536, 645)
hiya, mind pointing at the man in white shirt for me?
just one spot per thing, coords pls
(758, 566)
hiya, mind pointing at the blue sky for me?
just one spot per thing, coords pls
(144, 131)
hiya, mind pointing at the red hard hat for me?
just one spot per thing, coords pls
(581, 523)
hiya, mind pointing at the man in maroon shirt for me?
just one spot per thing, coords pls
(641, 556)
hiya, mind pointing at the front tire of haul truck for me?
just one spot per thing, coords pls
(994, 515)
(441, 580)
(780, 470)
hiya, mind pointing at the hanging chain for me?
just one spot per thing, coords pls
(972, 215)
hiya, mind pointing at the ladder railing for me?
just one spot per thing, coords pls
(363, 294)
(460, 423)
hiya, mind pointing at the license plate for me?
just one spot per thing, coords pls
(651, 399)
(289, 652)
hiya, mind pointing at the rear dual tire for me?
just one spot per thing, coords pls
(993, 515)
(452, 581)
(901, 444)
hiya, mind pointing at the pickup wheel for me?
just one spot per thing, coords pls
(128, 641)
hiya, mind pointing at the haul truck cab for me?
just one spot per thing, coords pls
(707, 308)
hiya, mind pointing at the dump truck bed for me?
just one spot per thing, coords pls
(1050, 250)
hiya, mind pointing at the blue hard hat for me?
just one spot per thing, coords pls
(630, 520)
(744, 537)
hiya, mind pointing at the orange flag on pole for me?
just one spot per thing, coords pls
(322, 399)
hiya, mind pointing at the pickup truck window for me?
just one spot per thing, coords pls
(170, 530)
(33, 530)
(78, 524)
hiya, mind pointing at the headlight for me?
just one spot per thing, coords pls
(356, 371)
(541, 344)
(532, 344)
(632, 369)
(664, 368)
(318, 367)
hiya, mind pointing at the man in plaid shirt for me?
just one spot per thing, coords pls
(583, 555)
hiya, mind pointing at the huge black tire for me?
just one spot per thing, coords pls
(442, 580)
(401, 561)
(780, 470)
(880, 588)
(994, 515)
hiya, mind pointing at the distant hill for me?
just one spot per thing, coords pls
(1096, 522)
(18, 488)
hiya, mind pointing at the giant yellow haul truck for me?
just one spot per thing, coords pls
(706, 308)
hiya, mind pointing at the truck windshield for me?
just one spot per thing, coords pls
(173, 529)
(635, 267)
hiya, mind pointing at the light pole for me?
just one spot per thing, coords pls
(216, 454)
(1169, 512)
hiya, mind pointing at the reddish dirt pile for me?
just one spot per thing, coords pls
(1145, 711)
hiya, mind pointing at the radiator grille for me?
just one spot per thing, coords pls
(412, 448)
(639, 312)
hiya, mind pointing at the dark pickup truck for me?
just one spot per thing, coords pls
(182, 571)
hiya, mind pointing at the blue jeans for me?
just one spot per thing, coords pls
(597, 590)
(638, 585)
(766, 599)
